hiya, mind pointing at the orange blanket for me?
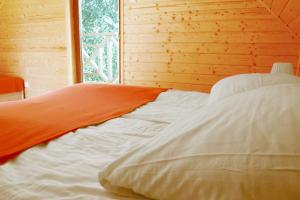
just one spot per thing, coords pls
(11, 84)
(40, 119)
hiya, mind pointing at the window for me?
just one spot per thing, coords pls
(99, 40)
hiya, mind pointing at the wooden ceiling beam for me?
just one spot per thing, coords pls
(269, 6)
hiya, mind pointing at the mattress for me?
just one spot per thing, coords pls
(68, 167)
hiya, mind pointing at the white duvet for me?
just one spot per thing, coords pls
(246, 146)
(67, 168)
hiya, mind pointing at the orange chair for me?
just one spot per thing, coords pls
(11, 88)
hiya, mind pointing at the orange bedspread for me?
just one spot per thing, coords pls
(40, 119)
(10, 84)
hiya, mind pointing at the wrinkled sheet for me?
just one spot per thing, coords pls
(68, 167)
(245, 147)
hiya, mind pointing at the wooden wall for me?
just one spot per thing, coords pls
(184, 44)
(288, 12)
(33, 43)
(191, 44)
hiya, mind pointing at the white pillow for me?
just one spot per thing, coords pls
(244, 82)
(245, 147)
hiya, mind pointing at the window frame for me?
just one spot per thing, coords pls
(75, 7)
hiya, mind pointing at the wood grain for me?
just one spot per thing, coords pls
(33, 43)
(288, 11)
(191, 44)
(183, 44)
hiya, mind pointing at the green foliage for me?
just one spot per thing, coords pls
(99, 16)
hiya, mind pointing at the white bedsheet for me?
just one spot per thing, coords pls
(67, 168)
(244, 147)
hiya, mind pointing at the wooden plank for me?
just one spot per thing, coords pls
(295, 26)
(191, 58)
(278, 6)
(291, 11)
(170, 43)
(34, 30)
(204, 69)
(159, 67)
(147, 2)
(211, 37)
(172, 85)
(215, 48)
(161, 7)
(276, 49)
(204, 15)
(277, 14)
(173, 77)
(268, 2)
(33, 43)
(223, 48)
(269, 60)
(250, 25)
(232, 60)
(19, 62)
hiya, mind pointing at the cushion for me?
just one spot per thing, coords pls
(9, 84)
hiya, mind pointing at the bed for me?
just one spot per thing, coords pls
(84, 152)
(122, 152)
